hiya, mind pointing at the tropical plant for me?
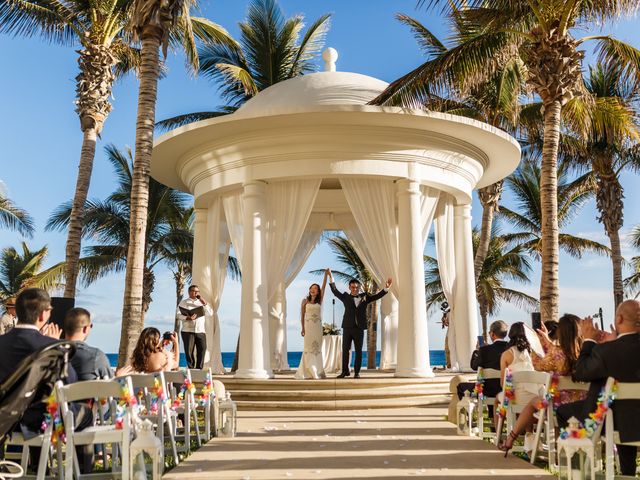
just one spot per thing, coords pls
(15, 218)
(526, 218)
(107, 222)
(540, 34)
(269, 51)
(20, 270)
(154, 24)
(610, 148)
(632, 282)
(355, 269)
(504, 262)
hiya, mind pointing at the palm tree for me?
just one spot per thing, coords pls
(269, 51)
(20, 270)
(154, 24)
(540, 34)
(525, 185)
(355, 269)
(609, 148)
(632, 282)
(107, 223)
(504, 262)
(15, 218)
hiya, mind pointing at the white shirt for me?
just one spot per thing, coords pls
(197, 325)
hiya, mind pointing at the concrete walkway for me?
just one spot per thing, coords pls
(381, 443)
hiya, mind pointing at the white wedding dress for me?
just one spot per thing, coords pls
(311, 361)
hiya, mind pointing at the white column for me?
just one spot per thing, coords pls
(465, 302)
(200, 268)
(255, 357)
(278, 328)
(389, 333)
(413, 342)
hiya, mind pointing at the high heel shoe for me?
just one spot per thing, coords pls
(508, 443)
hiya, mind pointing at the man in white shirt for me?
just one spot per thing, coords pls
(9, 319)
(193, 330)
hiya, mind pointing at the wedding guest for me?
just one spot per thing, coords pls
(611, 354)
(149, 355)
(90, 363)
(559, 359)
(488, 356)
(9, 319)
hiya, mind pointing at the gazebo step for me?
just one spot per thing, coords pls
(341, 404)
(332, 394)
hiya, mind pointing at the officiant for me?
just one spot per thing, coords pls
(191, 314)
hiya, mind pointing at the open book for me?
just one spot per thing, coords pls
(198, 311)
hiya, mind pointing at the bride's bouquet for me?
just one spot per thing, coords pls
(330, 329)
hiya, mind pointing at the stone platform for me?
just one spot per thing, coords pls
(374, 389)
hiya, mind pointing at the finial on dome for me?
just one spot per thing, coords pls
(330, 56)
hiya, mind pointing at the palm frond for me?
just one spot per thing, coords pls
(15, 218)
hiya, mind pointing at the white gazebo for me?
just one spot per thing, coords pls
(309, 154)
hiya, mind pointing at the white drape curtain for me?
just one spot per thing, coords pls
(289, 206)
(445, 251)
(234, 213)
(217, 256)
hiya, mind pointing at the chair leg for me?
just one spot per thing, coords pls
(69, 455)
(499, 429)
(44, 456)
(536, 440)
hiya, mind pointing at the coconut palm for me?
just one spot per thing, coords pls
(632, 282)
(540, 34)
(608, 150)
(154, 24)
(504, 263)
(526, 218)
(355, 269)
(20, 270)
(269, 51)
(15, 218)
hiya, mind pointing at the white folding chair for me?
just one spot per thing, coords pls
(144, 388)
(206, 401)
(625, 391)
(547, 421)
(106, 433)
(184, 407)
(43, 441)
(541, 379)
(487, 374)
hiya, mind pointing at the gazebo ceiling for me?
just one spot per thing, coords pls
(319, 125)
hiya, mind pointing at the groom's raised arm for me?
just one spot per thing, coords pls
(380, 294)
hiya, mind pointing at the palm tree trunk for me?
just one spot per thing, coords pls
(549, 295)
(372, 335)
(616, 260)
(74, 233)
(489, 197)
(132, 312)
(482, 304)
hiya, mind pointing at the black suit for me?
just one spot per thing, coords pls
(16, 345)
(619, 359)
(487, 356)
(354, 323)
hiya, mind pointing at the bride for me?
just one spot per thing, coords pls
(311, 319)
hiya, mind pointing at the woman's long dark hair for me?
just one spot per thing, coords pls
(318, 297)
(570, 340)
(148, 343)
(517, 338)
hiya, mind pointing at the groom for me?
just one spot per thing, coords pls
(354, 321)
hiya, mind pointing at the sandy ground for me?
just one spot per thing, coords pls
(381, 443)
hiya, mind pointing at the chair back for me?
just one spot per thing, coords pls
(199, 376)
(565, 382)
(110, 390)
(176, 377)
(542, 379)
(490, 373)
(628, 391)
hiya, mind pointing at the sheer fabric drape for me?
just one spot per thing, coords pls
(289, 206)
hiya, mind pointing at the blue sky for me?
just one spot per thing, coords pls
(40, 143)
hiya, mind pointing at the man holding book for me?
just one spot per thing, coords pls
(191, 313)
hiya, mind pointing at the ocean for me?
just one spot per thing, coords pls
(436, 358)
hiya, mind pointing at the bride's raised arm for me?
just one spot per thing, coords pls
(324, 284)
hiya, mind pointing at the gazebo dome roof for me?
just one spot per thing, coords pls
(322, 88)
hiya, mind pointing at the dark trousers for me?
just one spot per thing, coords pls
(356, 336)
(195, 344)
(626, 453)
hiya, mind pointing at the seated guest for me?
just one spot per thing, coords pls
(552, 328)
(8, 320)
(558, 359)
(32, 332)
(488, 356)
(149, 355)
(611, 354)
(90, 363)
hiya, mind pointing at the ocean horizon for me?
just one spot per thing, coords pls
(436, 358)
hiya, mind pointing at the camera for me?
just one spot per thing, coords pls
(444, 306)
(167, 336)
